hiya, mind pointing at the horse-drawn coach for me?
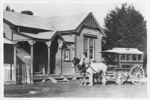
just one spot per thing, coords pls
(120, 65)
(124, 64)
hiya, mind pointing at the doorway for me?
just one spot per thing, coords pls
(53, 52)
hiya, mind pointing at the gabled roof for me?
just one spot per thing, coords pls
(6, 41)
(53, 24)
(67, 22)
(124, 51)
(25, 20)
(71, 22)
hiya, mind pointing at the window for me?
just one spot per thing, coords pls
(89, 47)
(67, 54)
(114, 57)
(134, 57)
(86, 46)
(139, 57)
(123, 57)
(128, 57)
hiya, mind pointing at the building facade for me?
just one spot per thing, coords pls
(47, 46)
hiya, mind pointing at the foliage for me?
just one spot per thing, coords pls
(9, 9)
(27, 12)
(125, 27)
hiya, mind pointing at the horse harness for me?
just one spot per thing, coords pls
(88, 67)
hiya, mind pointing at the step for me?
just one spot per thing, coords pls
(69, 76)
(52, 79)
(40, 77)
(58, 78)
(62, 81)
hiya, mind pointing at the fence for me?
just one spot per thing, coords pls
(18, 74)
(9, 72)
(21, 74)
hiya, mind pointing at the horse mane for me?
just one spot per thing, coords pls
(76, 62)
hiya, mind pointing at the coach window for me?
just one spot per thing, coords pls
(67, 55)
(128, 57)
(123, 57)
(139, 57)
(134, 57)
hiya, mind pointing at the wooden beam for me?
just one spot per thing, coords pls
(60, 43)
(31, 42)
(48, 63)
(61, 61)
(73, 51)
(75, 54)
(15, 60)
(31, 48)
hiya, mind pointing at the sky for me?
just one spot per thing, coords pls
(99, 9)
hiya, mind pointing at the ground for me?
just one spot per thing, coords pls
(74, 90)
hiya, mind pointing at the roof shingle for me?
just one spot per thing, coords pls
(6, 41)
(67, 22)
(24, 20)
(41, 35)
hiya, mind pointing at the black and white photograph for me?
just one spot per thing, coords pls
(74, 49)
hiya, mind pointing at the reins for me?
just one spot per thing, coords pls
(89, 67)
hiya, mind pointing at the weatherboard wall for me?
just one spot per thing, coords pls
(80, 43)
(66, 64)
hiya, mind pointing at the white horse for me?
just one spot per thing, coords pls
(95, 68)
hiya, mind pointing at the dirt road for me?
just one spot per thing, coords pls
(74, 90)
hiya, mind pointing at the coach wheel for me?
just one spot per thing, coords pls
(136, 75)
(120, 78)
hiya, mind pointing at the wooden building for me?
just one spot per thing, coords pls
(46, 46)
(9, 68)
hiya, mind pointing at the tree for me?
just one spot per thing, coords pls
(125, 27)
(9, 9)
(27, 12)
